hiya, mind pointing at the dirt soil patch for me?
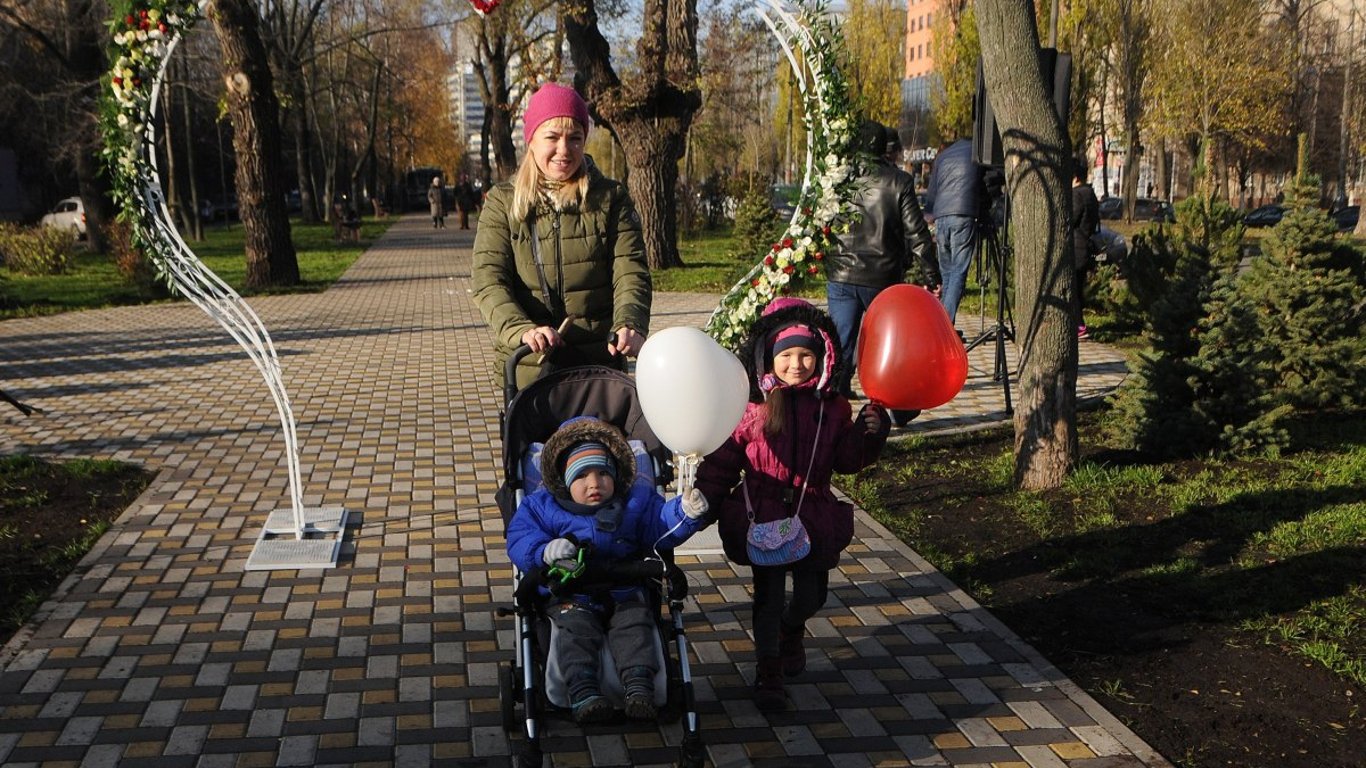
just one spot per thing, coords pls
(1165, 652)
(50, 515)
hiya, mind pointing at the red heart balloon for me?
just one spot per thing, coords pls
(909, 356)
(484, 6)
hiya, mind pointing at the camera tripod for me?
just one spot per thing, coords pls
(992, 256)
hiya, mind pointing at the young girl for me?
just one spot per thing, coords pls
(796, 431)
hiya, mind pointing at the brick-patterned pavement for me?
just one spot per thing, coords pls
(162, 651)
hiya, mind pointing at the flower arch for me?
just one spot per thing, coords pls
(813, 45)
(145, 34)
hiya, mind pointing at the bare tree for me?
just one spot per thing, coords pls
(1131, 42)
(514, 33)
(650, 111)
(271, 259)
(70, 36)
(1036, 152)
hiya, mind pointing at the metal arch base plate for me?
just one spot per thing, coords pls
(277, 548)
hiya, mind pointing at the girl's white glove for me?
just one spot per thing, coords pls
(694, 504)
(559, 549)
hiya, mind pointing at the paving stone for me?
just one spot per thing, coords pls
(391, 658)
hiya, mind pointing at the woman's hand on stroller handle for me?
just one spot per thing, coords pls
(625, 341)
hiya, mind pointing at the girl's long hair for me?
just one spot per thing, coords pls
(530, 184)
(775, 411)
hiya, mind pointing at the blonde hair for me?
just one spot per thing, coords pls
(530, 183)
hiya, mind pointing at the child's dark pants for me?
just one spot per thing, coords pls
(772, 610)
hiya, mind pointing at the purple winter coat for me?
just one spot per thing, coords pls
(775, 466)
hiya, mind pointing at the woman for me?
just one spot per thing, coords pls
(436, 204)
(558, 260)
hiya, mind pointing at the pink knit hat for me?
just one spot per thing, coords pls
(785, 302)
(554, 100)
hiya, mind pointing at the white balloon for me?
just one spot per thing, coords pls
(692, 390)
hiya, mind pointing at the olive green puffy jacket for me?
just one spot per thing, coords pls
(594, 264)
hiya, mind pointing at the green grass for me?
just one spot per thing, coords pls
(711, 266)
(1276, 548)
(93, 282)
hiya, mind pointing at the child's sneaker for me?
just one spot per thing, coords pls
(638, 683)
(592, 709)
(769, 695)
(1082, 332)
(792, 651)
(641, 706)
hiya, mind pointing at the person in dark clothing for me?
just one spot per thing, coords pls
(876, 251)
(1084, 222)
(466, 199)
(953, 201)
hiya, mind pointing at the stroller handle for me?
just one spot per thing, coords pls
(510, 371)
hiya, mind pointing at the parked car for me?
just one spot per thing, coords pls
(211, 211)
(784, 198)
(1111, 207)
(1346, 218)
(68, 214)
(1264, 216)
(1150, 209)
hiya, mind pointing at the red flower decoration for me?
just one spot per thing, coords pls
(768, 260)
(129, 20)
(777, 247)
(484, 6)
(811, 270)
(787, 242)
(806, 211)
(817, 256)
(825, 230)
(789, 269)
(754, 282)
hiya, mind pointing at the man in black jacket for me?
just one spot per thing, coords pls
(877, 250)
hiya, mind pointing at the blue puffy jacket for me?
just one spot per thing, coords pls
(647, 524)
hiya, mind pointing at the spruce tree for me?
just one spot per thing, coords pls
(1171, 277)
(1287, 333)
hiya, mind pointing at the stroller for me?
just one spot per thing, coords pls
(530, 417)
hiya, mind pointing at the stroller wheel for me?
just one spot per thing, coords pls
(507, 697)
(692, 755)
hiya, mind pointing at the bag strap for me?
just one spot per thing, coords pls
(806, 478)
(540, 264)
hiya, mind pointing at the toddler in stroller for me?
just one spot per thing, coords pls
(535, 462)
(581, 514)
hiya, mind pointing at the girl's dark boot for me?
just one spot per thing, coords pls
(791, 651)
(769, 695)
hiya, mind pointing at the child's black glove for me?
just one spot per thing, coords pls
(875, 421)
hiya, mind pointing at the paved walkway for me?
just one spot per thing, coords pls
(162, 651)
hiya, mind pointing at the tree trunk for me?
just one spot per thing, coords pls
(255, 111)
(648, 185)
(1036, 162)
(650, 113)
(1162, 169)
